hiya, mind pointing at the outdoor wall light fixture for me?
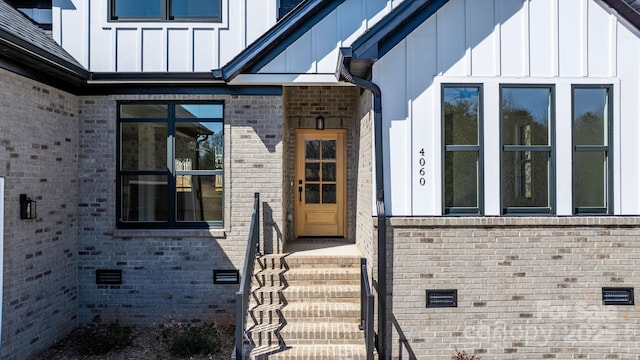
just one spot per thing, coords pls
(27, 207)
(320, 118)
(319, 122)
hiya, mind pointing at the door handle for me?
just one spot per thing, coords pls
(300, 193)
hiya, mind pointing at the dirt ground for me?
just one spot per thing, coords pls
(148, 344)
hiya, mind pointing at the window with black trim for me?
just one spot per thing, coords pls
(462, 162)
(170, 168)
(166, 10)
(527, 176)
(591, 152)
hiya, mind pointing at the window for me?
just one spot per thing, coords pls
(591, 139)
(170, 169)
(162, 10)
(526, 124)
(462, 163)
(38, 11)
(285, 6)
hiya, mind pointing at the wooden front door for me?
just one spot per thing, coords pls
(320, 190)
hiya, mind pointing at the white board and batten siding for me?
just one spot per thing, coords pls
(316, 52)
(494, 42)
(82, 27)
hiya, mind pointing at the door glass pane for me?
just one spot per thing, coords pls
(199, 146)
(590, 116)
(199, 111)
(461, 116)
(328, 171)
(144, 198)
(328, 193)
(144, 111)
(312, 194)
(589, 179)
(461, 179)
(143, 146)
(199, 198)
(312, 172)
(328, 149)
(525, 180)
(312, 150)
(195, 8)
(525, 116)
(137, 8)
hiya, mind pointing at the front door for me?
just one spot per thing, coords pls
(320, 194)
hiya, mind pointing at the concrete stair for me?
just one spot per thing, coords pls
(306, 307)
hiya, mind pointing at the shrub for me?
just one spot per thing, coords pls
(463, 356)
(192, 340)
(102, 338)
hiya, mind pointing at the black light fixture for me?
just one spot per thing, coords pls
(27, 207)
(320, 118)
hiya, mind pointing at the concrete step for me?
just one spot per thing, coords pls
(312, 276)
(322, 312)
(321, 333)
(306, 262)
(322, 293)
(312, 352)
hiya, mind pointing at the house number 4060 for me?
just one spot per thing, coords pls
(421, 162)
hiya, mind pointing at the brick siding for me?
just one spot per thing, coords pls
(38, 147)
(528, 288)
(167, 275)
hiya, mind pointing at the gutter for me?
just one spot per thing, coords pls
(343, 72)
(29, 49)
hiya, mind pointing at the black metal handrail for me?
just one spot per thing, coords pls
(366, 309)
(242, 296)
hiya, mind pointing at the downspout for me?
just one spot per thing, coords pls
(382, 217)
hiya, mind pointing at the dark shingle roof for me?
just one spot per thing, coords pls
(27, 44)
(634, 4)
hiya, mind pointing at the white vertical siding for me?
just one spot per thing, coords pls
(628, 131)
(179, 50)
(451, 48)
(495, 42)
(422, 65)
(542, 41)
(128, 50)
(570, 37)
(316, 51)
(83, 28)
(512, 33)
(481, 37)
(204, 58)
(153, 48)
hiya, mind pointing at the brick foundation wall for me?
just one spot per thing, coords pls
(528, 288)
(168, 274)
(38, 146)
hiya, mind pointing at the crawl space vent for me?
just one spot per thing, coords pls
(442, 298)
(108, 277)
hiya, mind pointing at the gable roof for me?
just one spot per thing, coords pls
(28, 45)
(291, 27)
(628, 9)
(391, 30)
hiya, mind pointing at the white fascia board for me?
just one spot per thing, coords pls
(286, 79)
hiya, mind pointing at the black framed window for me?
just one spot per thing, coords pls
(170, 168)
(462, 152)
(527, 176)
(166, 10)
(591, 121)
